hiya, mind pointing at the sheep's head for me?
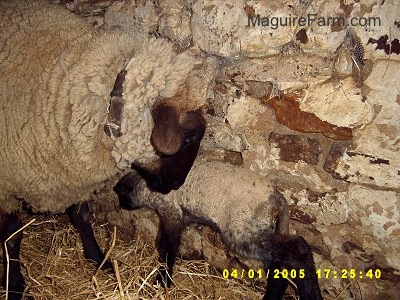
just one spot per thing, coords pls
(127, 189)
(178, 126)
(154, 116)
(176, 136)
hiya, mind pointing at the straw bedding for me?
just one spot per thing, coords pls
(55, 268)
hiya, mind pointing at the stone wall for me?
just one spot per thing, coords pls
(317, 106)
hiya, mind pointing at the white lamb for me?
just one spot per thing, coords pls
(77, 107)
(250, 213)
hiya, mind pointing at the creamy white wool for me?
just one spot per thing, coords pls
(56, 75)
(153, 73)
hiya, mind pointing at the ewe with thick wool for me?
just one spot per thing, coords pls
(77, 107)
(251, 215)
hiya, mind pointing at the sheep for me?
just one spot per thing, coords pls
(79, 106)
(251, 215)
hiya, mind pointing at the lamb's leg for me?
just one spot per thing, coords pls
(276, 287)
(169, 237)
(10, 223)
(294, 253)
(79, 215)
(297, 255)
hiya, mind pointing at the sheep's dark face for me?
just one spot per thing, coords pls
(176, 137)
(126, 189)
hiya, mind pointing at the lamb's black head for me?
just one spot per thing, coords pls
(176, 137)
(126, 189)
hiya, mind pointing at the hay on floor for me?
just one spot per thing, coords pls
(55, 268)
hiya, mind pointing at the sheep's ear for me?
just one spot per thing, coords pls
(193, 127)
(166, 136)
(171, 171)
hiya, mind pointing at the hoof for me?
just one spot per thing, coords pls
(16, 287)
(163, 279)
(106, 267)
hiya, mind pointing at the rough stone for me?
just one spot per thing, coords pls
(220, 101)
(212, 26)
(343, 98)
(86, 8)
(258, 89)
(319, 209)
(227, 30)
(374, 160)
(139, 17)
(192, 243)
(248, 116)
(300, 216)
(282, 72)
(372, 215)
(288, 112)
(215, 154)
(336, 152)
(222, 136)
(295, 148)
(387, 33)
(174, 22)
(357, 252)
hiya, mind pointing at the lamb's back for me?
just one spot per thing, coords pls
(230, 196)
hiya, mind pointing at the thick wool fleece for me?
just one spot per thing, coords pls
(56, 75)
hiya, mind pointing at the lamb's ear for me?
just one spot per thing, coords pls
(127, 189)
(166, 136)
